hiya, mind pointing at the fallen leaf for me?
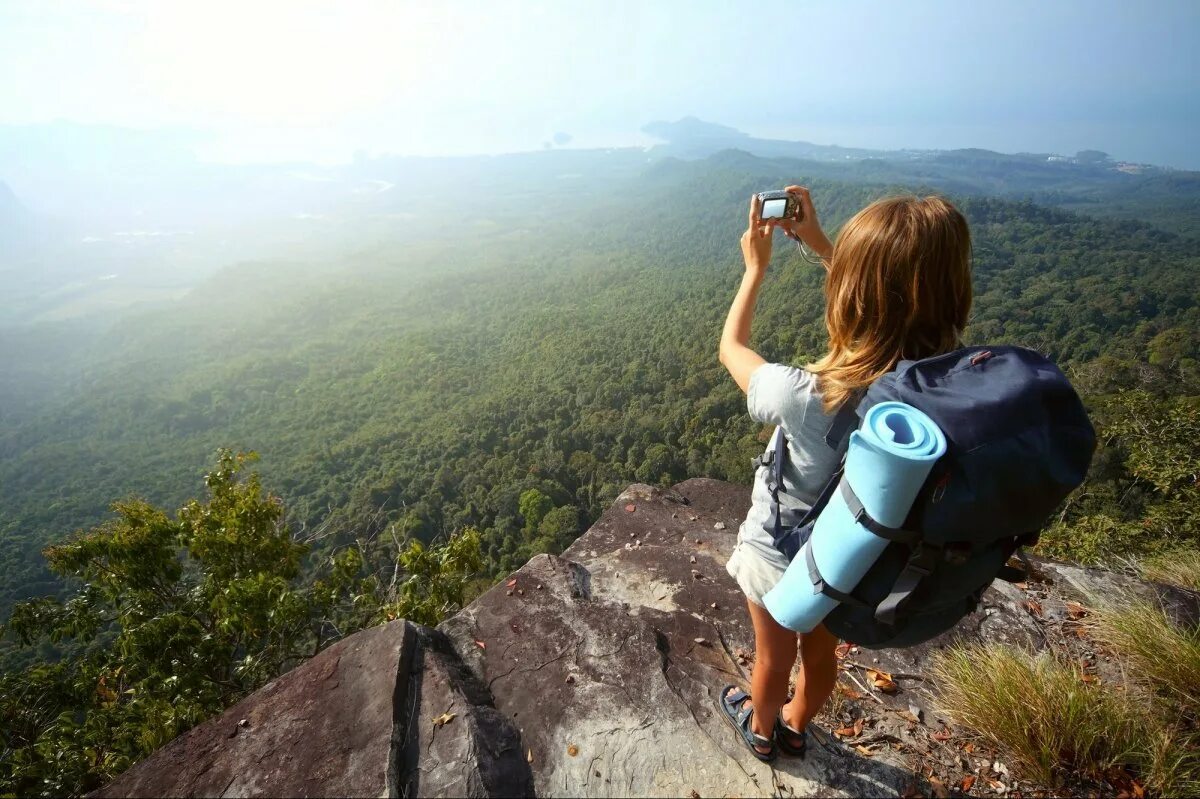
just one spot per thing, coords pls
(445, 718)
(511, 583)
(1075, 611)
(864, 751)
(915, 712)
(480, 644)
(628, 509)
(572, 750)
(845, 732)
(882, 681)
(966, 783)
(1089, 678)
(1034, 607)
(942, 735)
(969, 748)
(1139, 790)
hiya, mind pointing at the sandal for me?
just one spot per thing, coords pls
(732, 701)
(784, 731)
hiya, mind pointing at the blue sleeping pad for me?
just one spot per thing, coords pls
(887, 462)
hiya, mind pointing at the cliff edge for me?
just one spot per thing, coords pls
(596, 674)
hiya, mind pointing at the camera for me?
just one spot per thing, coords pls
(779, 205)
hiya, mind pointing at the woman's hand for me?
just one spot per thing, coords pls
(756, 241)
(808, 228)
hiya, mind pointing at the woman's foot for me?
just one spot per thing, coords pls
(738, 710)
(791, 741)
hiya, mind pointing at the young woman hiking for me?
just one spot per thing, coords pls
(897, 286)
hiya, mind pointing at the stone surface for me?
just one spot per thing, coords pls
(322, 729)
(596, 674)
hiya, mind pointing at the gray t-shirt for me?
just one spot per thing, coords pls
(788, 396)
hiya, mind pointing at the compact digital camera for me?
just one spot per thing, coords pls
(779, 205)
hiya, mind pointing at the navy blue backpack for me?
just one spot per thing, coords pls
(1018, 442)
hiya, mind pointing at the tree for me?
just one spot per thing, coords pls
(172, 619)
(534, 505)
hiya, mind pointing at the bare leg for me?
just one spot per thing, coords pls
(774, 656)
(818, 675)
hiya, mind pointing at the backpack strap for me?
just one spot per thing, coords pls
(920, 565)
(822, 587)
(843, 421)
(775, 457)
(863, 518)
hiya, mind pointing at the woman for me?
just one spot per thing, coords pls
(898, 286)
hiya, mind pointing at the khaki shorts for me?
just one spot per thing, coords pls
(755, 564)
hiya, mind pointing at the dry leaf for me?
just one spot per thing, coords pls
(1033, 606)
(1075, 611)
(630, 508)
(942, 735)
(511, 583)
(882, 681)
(965, 784)
(864, 751)
(1089, 678)
(572, 750)
(969, 748)
(443, 719)
(845, 732)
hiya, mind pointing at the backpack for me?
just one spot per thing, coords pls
(1018, 442)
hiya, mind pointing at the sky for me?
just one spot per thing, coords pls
(302, 79)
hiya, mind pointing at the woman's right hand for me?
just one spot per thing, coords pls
(808, 228)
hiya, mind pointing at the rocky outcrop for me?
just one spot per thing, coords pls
(594, 674)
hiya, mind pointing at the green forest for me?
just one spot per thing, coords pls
(429, 413)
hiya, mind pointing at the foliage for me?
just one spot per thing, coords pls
(173, 619)
(1051, 724)
(1149, 503)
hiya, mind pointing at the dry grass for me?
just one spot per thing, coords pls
(1050, 723)
(1181, 569)
(1037, 711)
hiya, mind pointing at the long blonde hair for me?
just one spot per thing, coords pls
(898, 287)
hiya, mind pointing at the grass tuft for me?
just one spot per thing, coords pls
(1037, 711)
(1050, 723)
(1180, 569)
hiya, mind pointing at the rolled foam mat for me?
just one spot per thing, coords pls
(887, 462)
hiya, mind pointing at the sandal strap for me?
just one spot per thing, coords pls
(737, 699)
(789, 728)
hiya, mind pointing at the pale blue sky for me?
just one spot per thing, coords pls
(317, 79)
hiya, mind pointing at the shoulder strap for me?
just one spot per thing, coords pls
(843, 421)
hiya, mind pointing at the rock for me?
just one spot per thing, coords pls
(322, 729)
(602, 682)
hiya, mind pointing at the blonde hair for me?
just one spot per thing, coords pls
(898, 287)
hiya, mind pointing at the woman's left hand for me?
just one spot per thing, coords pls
(756, 241)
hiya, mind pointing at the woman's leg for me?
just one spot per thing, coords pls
(818, 675)
(774, 656)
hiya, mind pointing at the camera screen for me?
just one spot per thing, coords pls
(774, 209)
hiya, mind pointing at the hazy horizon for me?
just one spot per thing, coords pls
(316, 81)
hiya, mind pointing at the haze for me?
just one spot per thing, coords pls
(316, 81)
